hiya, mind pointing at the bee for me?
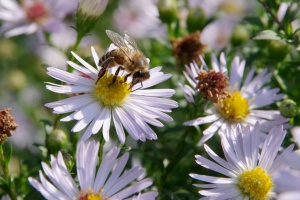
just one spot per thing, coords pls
(128, 57)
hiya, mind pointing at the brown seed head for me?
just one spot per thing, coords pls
(7, 124)
(187, 49)
(212, 85)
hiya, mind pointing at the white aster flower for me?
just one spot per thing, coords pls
(140, 18)
(249, 171)
(241, 106)
(33, 16)
(107, 182)
(289, 177)
(95, 105)
(236, 8)
(217, 34)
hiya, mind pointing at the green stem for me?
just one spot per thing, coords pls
(100, 153)
(75, 47)
(268, 9)
(177, 157)
(4, 165)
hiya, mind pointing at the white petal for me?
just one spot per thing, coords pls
(95, 56)
(202, 120)
(83, 62)
(117, 171)
(105, 168)
(137, 187)
(83, 70)
(66, 89)
(119, 127)
(236, 72)
(155, 92)
(86, 161)
(126, 178)
(69, 77)
(106, 125)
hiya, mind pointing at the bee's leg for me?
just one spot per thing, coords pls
(115, 76)
(104, 65)
(125, 78)
(137, 88)
(101, 73)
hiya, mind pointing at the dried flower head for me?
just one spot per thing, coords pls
(212, 85)
(7, 124)
(187, 49)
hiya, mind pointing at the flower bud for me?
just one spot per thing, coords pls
(69, 160)
(167, 11)
(16, 79)
(239, 36)
(88, 13)
(196, 19)
(278, 49)
(288, 108)
(57, 140)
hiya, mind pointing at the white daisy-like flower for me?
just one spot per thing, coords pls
(249, 171)
(95, 105)
(33, 16)
(289, 178)
(245, 96)
(107, 182)
(140, 18)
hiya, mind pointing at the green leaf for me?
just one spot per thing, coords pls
(7, 159)
(267, 35)
(3, 181)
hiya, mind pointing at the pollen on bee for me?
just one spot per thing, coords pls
(111, 95)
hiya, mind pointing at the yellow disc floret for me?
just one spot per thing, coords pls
(84, 195)
(255, 184)
(111, 94)
(234, 108)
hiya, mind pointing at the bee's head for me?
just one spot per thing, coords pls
(140, 76)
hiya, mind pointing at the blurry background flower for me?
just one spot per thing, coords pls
(62, 41)
(140, 18)
(235, 8)
(217, 34)
(34, 16)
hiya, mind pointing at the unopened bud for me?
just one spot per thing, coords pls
(288, 108)
(278, 49)
(240, 35)
(88, 13)
(196, 19)
(69, 160)
(57, 140)
(167, 10)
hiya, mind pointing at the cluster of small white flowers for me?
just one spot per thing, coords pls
(251, 137)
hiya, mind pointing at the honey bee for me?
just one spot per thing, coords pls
(128, 57)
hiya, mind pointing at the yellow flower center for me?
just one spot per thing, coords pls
(111, 95)
(83, 195)
(234, 108)
(255, 184)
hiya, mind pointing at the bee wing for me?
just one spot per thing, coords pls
(130, 41)
(120, 42)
